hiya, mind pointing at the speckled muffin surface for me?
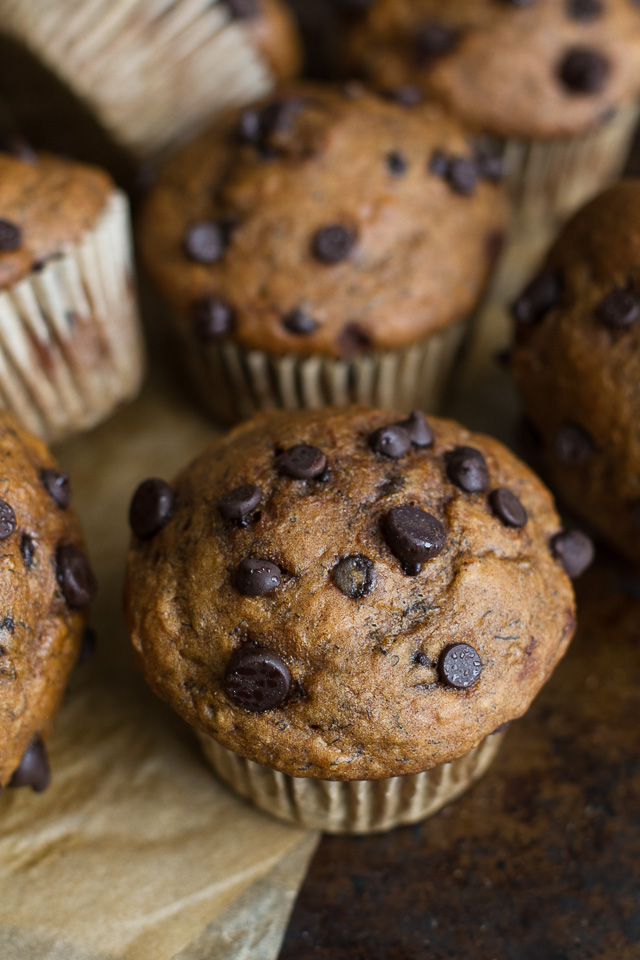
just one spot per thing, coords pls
(547, 68)
(577, 363)
(45, 586)
(303, 225)
(348, 594)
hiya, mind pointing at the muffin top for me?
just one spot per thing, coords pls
(272, 27)
(517, 68)
(577, 362)
(46, 203)
(325, 221)
(45, 584)
(347, 594)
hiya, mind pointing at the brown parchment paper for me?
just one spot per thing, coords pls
(136, 851)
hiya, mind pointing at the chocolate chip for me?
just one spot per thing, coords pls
(439, 164)
(468, 470)
(27, 549)
(257, 680)
(353, 340)
(413, 535)
(354, 576)
(249, 126)
(206, 242)
(407, 95)
(392, 441)
(88, 647)
(489, 161)
(8, 520)
(8, 624)
(10, 236)
(151, 508)
(508, 508)
(333, 244)
(34, 768)
(574, 446)
(213, 318)
(574, 550)
(240, 503)
(299, 322)
(58, 487)
(75, 576)
(396, 163)
(585, 9)
(419, 431)
(422, 660)
(459, 666)
(243, 9)
(619, 309)
(584, 71)
(258, 127)
(303, 462)
(538, 298)
(255, 577)
(463, 176)
(434, 39)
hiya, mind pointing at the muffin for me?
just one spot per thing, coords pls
(46, 585)
(577, 363)
(323, 247)
(349, 607)
(70, 344)
(153, 72)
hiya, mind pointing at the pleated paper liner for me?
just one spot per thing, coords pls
(70, 343)
(152, 70)
(351, 806)
(235, 383)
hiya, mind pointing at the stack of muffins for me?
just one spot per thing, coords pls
(348, 597)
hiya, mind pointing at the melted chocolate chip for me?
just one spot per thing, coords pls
(538, 298)
(574, 446)
(574, 550)
(463, 176)
(34, 768)
(420, 433)
(240, 503)
(88, 648)
(354, 576)
(75, 576)
(620, 308)
(213, 318)
(584, 71)
(459, 666)
(206, 242)
(406, 96)
(489, 161)
(434, 39)
(10, 236)
(353, 340)
(299, 322)
(259, 127)
(413, 535)
(57, 486)
(151, 508)
(396, 163)
(255, 577)
(243, 9)
(508, 508)
(27, 550)
(333, 244)
(8, 520)
(392, 441)
(257, 680)
(439, 164)
(468, 470)
(303, 462)
(585, 10)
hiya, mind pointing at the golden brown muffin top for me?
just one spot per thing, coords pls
(346, 595)
(46, 204)
(45, 585)
(324, 222)
(577, 362)
(543, 68)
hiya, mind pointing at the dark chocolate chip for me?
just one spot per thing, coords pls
(354, 576)
(34, 768)
(240, 503)
(334, 243)
(574, 446)
(243, 9)
(459, 666)
(299, 322)
(413, 535)
(57, 486)
(8, 520)
(538, 298)
(422, 660)
(75, 576)
(462, 175)
(508, 508)
(407, 95)
(392, 441)
(353, 340)
(257, 680)
(396, 163)
(206, 242)
(88, 648)
(619, 309)
(468, 470)
(585, 9)
(419, 431)
(8, 624)
(489, 161)
(434, 39)
(27, 549)
(151, 508)
(584, 70)
(258, 126)
(574, 550)
(302, 462)
(255, 577)
(439, 164)
(10, 236)
(249, 126)
(213, 318)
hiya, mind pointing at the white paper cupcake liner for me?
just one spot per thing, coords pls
(236, 383)
(70, 343)
(351, 806)
(153, 70)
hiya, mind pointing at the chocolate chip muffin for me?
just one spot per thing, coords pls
(324, 246)
(577, 363)
(347, 605)
(70, 342)
(154, 73)
(46, 583)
